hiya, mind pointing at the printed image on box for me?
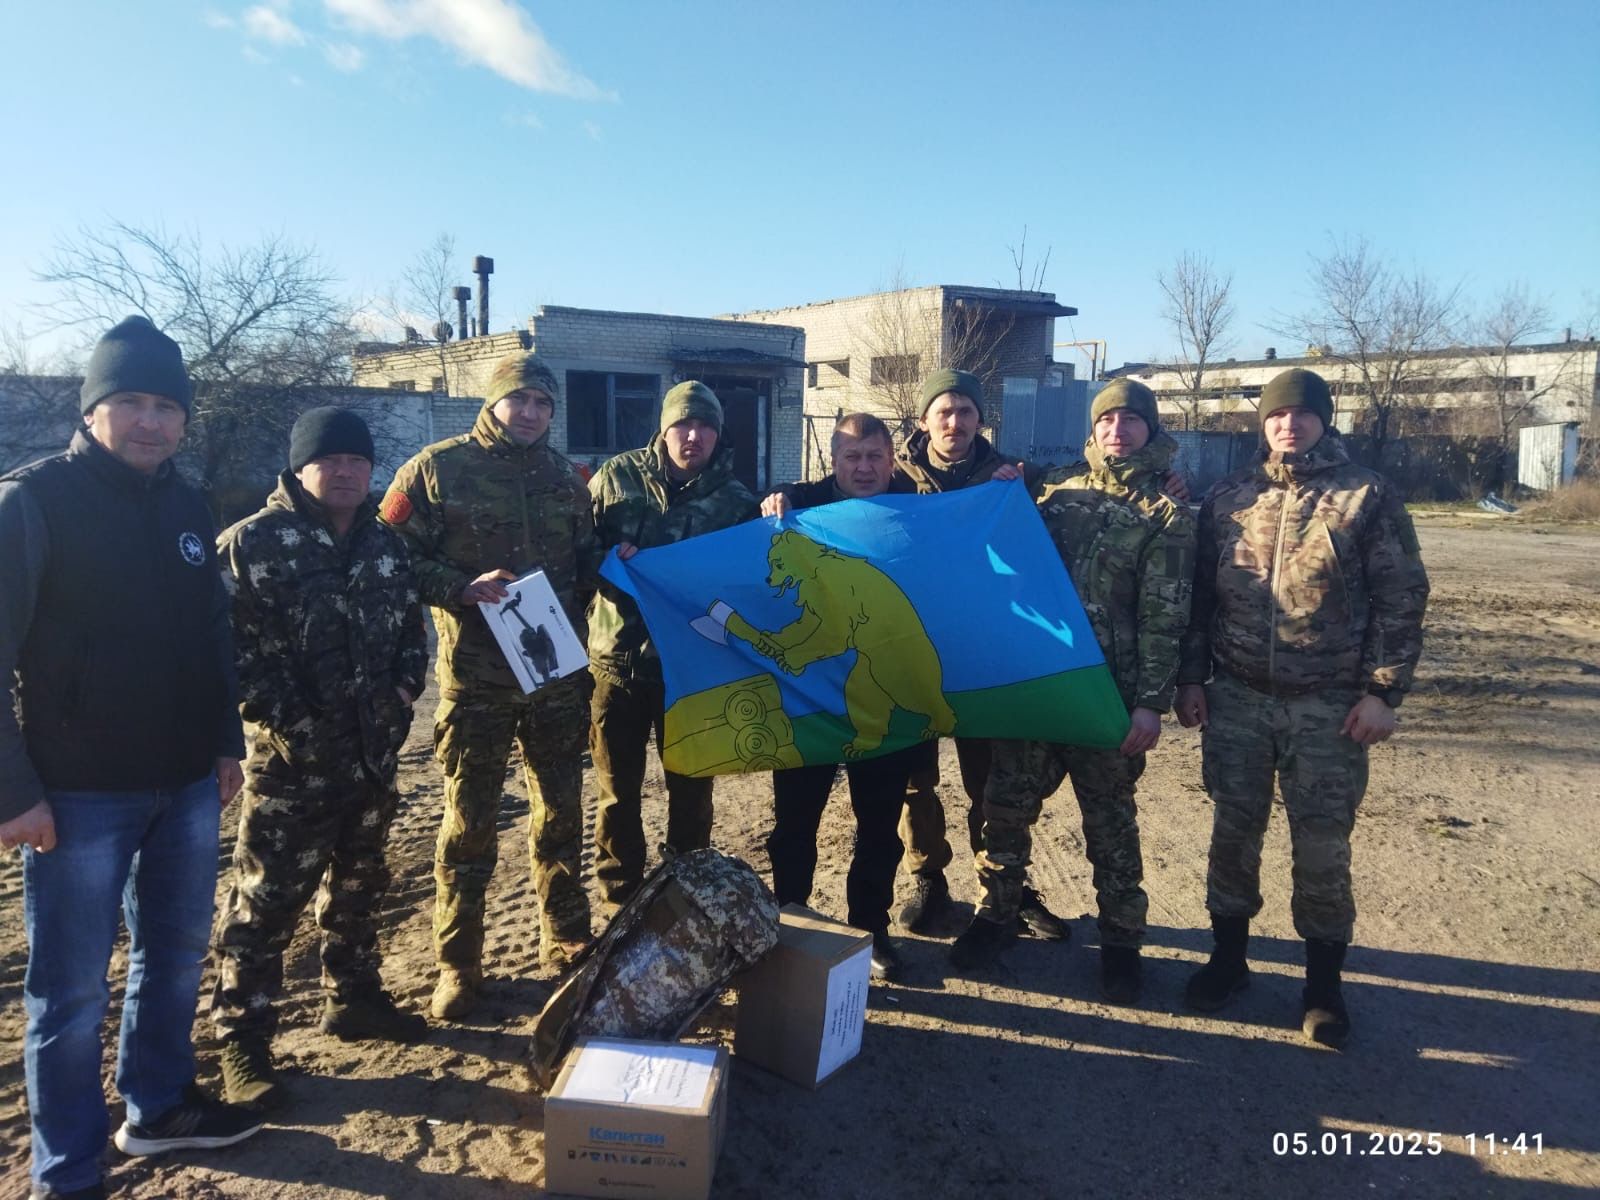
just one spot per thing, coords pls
(635, 1118)
(803, 1008)
(534, 634)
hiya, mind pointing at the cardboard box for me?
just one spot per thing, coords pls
(803, 1007)
(633, 1118)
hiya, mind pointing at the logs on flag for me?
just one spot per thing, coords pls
(857, 628)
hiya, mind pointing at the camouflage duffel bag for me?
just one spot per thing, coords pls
(694, 923)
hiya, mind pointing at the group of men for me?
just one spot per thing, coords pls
(131, 662)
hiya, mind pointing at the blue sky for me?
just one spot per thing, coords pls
(701, 158)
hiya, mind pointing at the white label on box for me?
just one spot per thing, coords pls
(655, 1076)
(846, 1012)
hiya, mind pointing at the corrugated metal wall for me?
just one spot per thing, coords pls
(1547, 456)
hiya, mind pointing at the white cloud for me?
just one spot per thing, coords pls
(594, 131)
(251, 54)
(526, 120)
(342, 56)
(217, 20)
(495, 34)
(270, 24)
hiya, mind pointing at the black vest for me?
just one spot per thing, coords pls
(122, 684)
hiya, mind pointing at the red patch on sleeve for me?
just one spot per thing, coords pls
(397, 508)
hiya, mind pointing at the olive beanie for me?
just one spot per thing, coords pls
(691, 399)
(1131, 395)
(1297, 388)
(946, 379)
(517, 371)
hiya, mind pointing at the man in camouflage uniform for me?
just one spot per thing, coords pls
(1130, 552)
(478, 511)
(1306, 630)
(946, 453)
(680, 485)
(332, 651)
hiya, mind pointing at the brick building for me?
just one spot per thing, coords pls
(870, 352)
(614, 369)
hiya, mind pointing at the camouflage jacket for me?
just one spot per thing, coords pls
(632, 503)
(324, 631)
(1130, 552)
(1309, 577)
(915, 465)
(477, 503)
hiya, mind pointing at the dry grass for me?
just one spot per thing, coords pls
(1578, 501)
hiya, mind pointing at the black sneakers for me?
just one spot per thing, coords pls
(1038, 921)
(95, 1191)
(930, 899)
(197, 1122)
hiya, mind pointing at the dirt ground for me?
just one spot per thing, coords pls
(1474, 987)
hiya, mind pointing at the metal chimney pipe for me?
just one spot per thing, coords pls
(483, 267)
(461, 295)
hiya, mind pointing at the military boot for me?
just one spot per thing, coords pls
(1324, 1019)
(1227, 974)
(1121, 974)
(456, 993)
(930, 898)
(371, 1015)
(1038, 921)
(248, 1079)
(982, 944)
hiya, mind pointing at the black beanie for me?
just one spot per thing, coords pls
(135, 356)
(1297, 388)
(323, 431)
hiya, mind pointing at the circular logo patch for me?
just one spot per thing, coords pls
(192, 549)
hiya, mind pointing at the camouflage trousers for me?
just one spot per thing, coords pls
(922, 824)
(623, 716)
(472, 739)
(1022, 776)
(289, 847)
(1249, 738)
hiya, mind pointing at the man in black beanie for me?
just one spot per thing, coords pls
(332, 652)
(116, 654)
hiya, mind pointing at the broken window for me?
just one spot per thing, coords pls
(608, 413)
(895, 368)
(402, 385)
(830, 373)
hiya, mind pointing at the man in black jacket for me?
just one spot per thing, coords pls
(115, 651)
(863, 467)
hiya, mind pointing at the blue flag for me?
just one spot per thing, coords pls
(857, 628)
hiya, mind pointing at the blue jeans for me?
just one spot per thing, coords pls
(157, 852)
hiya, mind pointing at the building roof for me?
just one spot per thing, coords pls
(1042, 304)
(735, 355)
(1313, 360)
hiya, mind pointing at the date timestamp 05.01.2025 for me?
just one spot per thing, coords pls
(1397, 1144)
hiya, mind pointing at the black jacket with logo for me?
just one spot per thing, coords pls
(115, 622)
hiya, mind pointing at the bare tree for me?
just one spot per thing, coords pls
(1199, 307)
(1379, 324)
(911, 331)
(1029, 280)
(260, 327)
(1514, 320)
(422, 299)
(38, 400)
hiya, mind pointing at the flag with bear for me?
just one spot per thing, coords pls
(856, 628)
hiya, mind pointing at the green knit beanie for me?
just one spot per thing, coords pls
(691, 399)
(517, 371)
(1131, 395)
(947, 380)
(1297, 388)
